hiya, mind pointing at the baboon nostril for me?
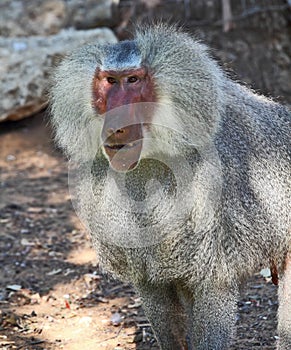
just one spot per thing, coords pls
(111, 131)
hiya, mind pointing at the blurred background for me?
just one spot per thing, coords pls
(53, 295)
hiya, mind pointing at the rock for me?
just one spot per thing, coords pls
(91, 13)
(35, 17)
(26, 65)
(46, 17)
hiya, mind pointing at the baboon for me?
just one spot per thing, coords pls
(188, 188)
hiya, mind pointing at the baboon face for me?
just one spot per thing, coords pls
(122, 132)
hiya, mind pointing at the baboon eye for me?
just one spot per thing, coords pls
(111, 80)
(132, 79)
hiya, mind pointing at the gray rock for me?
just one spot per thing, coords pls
(46, 17)
(26, 65)
(91, 13)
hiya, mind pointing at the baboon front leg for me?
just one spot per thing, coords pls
(284, 312)
(166, 315)
(212, 319)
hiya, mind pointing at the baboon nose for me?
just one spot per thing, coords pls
(111, 131)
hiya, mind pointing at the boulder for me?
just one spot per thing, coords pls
(46, 17)
(26, 65)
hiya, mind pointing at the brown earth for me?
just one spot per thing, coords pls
(53, 294)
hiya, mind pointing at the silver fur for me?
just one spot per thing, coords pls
(189, 280)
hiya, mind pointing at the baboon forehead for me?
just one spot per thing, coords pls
(123, 55)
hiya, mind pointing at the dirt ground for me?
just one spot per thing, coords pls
(53, 295)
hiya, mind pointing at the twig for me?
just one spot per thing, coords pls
(31, 343)
(226, 16)
(127, 17)
(114, 336)
(248, 13)
(187, 9)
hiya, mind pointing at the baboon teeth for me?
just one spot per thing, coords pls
(118, 147)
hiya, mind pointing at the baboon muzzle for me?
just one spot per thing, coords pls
(122, 140)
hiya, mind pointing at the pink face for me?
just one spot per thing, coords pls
(122, 132)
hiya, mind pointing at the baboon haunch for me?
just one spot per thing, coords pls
(174, 103)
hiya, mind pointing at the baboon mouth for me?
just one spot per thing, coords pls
(122, 146)
(125, 146)
(114, 147)
(123, 156)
